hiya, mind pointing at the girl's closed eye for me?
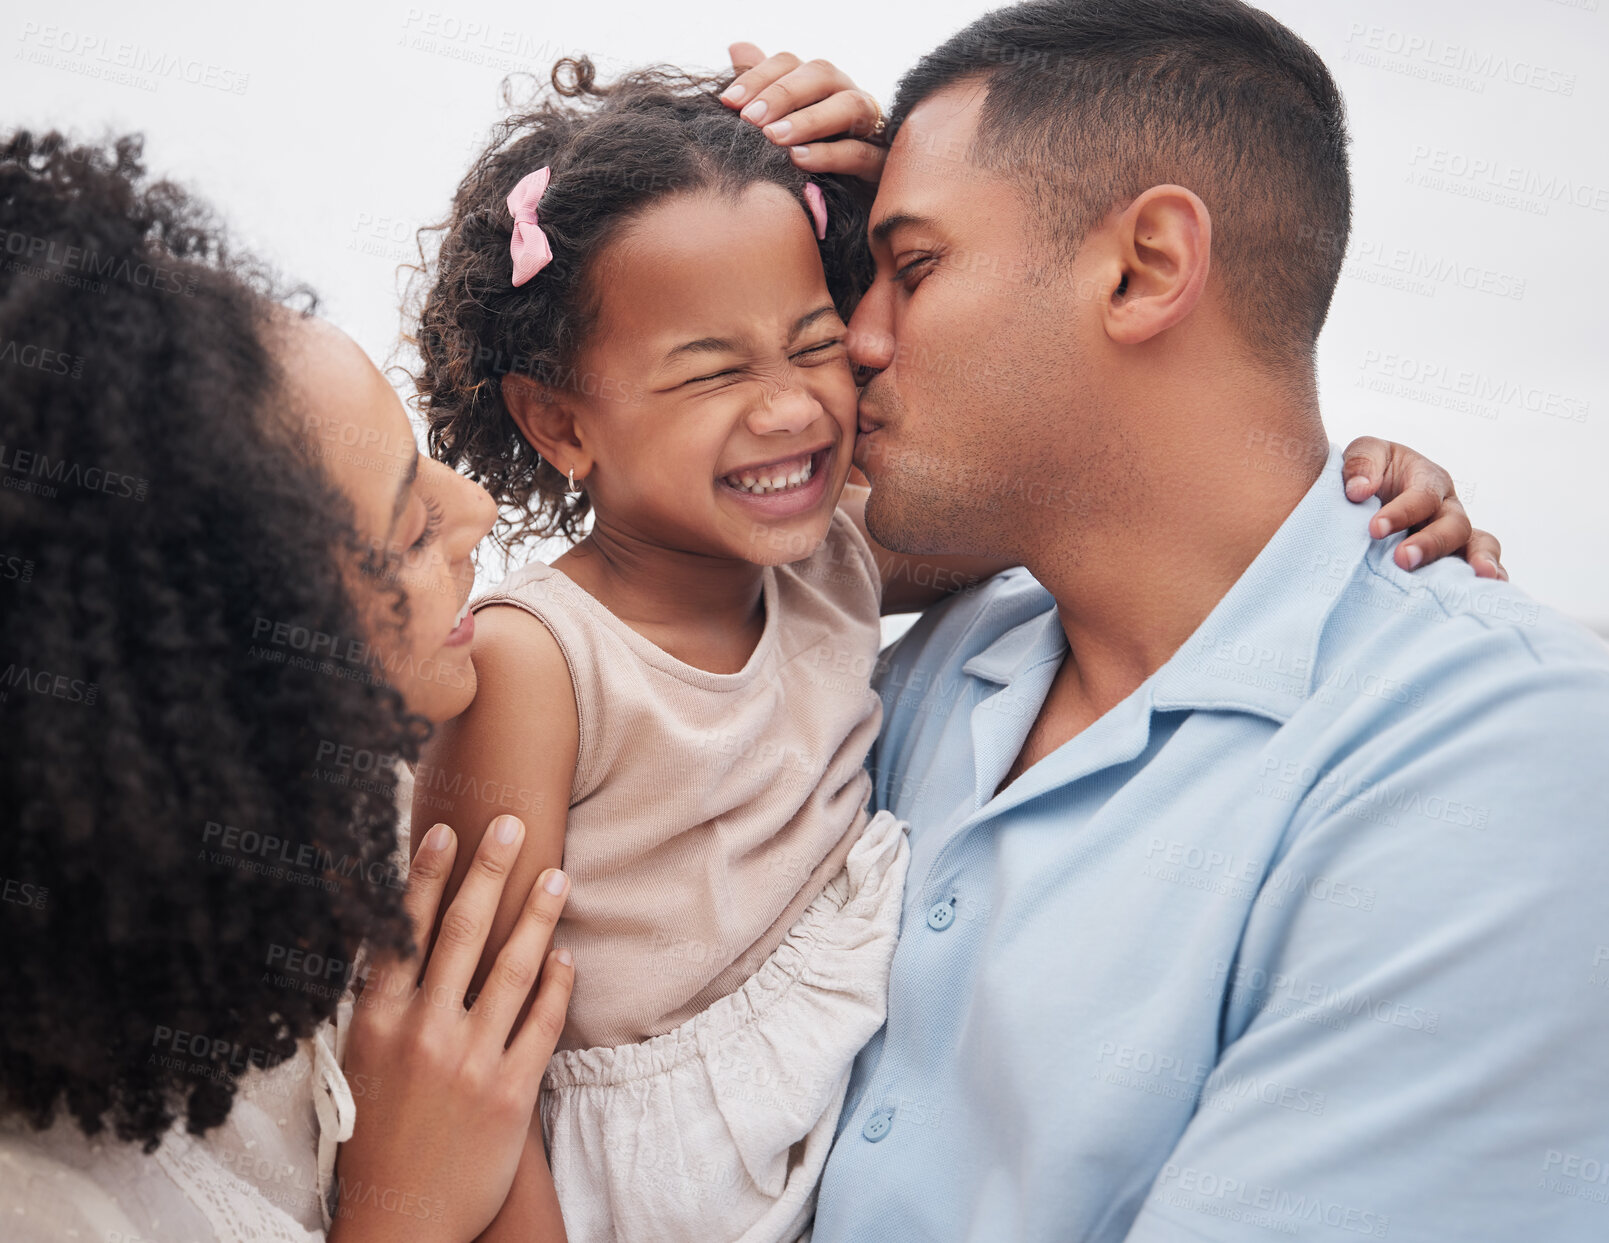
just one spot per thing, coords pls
(728, 374)
(823, 351)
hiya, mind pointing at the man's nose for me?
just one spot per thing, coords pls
(870, 339)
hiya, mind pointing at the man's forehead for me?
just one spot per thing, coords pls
(931, 158)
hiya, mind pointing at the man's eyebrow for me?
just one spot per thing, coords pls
(403, 492)
(900, 220)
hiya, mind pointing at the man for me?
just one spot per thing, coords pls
(1257, 885)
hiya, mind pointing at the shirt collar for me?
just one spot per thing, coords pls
(1033, 633)
(1257, 649)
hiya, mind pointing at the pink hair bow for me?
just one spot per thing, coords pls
(529, 245)
(817, 203)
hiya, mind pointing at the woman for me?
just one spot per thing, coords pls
(237, 602)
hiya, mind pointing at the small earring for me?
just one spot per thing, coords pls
(573, 488)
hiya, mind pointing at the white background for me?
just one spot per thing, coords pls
(356, 119)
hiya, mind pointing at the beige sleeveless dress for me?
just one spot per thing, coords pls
(733, 909)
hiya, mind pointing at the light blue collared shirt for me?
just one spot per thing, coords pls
(1308, 937)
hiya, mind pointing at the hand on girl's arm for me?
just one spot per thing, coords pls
(434, 1150)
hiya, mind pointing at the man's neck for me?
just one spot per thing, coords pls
(1136, 580)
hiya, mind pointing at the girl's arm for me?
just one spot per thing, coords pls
(531, 1211)
(514, 750)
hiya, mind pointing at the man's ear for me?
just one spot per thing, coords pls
(547, 423)
(1162, 254)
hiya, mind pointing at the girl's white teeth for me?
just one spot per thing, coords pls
(760, 485)
(462, 613)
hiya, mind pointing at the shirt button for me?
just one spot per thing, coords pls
(878, 1125)
(940, 916)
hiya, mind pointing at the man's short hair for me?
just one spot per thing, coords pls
(1091, 102)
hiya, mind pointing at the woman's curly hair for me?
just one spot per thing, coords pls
(614, 151)
(167, 544)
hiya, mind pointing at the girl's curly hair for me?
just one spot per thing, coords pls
(614, 151)
(167, 545)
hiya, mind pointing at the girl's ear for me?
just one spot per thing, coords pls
(546, 422)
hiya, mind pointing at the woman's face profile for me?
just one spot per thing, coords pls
(422, 519)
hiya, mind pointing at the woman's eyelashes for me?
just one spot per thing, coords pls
(433, 516)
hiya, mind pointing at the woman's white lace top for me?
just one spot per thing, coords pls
(265, 1176)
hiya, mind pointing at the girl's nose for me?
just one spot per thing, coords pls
(784, 409)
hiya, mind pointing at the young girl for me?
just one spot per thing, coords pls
(638, 314)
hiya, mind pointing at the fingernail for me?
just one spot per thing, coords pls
(507, 828)
(799, 153)
(1378, 526)
(565, 957)
(437, 838)
(734, 94)
(1413, 556)
(1357, 487)
(779, 131)
(755, 112)
(554, 883)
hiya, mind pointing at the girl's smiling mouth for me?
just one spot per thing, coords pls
(785, 486)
